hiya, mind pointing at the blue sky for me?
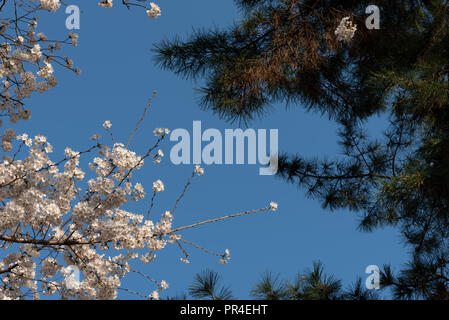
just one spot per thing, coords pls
(119, 76)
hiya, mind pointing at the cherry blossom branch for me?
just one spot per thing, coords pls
(220, 218)
(141, 118)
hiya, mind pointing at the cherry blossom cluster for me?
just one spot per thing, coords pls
(50, 5)
(153, 11)
(345, 30)
(50, 224)
(28, 59)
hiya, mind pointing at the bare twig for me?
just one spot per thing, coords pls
(218, 219)
(141, 118)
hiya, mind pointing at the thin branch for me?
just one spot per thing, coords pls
(218, 219)
(141, 118)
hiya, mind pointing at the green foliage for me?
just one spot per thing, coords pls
(207, 286)
(313, 284)
(359, 292)
(270, 287)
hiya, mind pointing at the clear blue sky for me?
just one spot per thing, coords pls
(118, 78)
